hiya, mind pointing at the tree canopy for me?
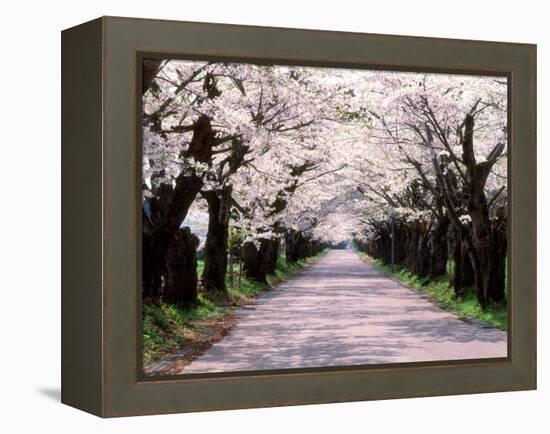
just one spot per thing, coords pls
(326, 155)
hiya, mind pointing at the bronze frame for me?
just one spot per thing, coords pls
(101, 185)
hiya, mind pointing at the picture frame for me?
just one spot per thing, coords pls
(101, 190)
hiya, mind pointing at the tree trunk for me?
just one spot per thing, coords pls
(412, 247)
(423, 258)
(482, 245)
(166, 214)
(255, 259)
(400, 243)
(168, 209)
(304, 248)
(484, 251)
(291, 245)
(297, 246)
(463, 274)
(497, 292)
(488, 273)
(181, 270)
(272, 254)
(215, 248)
(439, 248)
(151, 68)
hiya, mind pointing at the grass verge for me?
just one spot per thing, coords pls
(167, 328)
(443, 295)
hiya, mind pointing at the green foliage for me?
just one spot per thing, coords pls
(167, 327)
(236, 238)
(444, 295)
(200, 267)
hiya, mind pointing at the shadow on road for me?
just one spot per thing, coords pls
(343, 312)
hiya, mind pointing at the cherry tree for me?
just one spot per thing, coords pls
(429, 122)
(205, 121)
(405, 163)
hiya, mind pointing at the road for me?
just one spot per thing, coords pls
(342, 311)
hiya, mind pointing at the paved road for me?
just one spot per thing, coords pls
(342, 311)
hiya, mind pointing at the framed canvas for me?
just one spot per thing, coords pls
(258, 216)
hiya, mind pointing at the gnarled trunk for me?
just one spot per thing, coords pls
(486, 253)
(481, 241)
(483, 250)
(166, 211)
(257, 260)
(215, 248)
(181, 269)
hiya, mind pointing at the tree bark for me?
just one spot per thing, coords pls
(412, 244)
(484, 252)
(497, 292)
(151, 68)
(215, 248)
(181, 269)
(272, 254)
(482, 245)
(439, 248)
(257, 259)
(423, 258)
(463, 273)
(304, 247)
(167, 210)
(294, 242)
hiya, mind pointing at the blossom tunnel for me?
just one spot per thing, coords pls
(261, 162)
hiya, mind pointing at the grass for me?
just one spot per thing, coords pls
(167, 327)
(444, 295)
